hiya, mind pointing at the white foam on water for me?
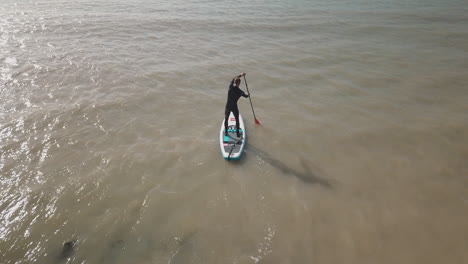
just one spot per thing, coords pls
(264, 248)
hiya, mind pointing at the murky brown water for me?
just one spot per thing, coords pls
(109, 120)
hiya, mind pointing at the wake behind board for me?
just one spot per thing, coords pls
(231, 145)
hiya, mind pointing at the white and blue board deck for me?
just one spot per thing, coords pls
(231, 145)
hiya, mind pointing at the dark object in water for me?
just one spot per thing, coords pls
(68, 249)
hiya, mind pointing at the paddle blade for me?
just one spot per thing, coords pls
(257, 122)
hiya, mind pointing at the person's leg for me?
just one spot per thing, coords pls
(236, 115)
(226, 118)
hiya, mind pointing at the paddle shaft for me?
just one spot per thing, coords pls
(256, 121)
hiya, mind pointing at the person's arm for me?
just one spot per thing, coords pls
(234, 79)
(237, 77)
(245, 95)
(232, 82)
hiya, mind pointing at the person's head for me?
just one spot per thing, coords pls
(238, 81)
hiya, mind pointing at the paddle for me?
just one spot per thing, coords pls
(256, 120)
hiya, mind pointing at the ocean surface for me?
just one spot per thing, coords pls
(110, 113)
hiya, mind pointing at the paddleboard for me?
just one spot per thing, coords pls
(231, 145)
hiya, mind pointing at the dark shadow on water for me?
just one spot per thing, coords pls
(307, 176)
(67, 251)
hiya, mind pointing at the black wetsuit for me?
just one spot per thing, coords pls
(234, 94)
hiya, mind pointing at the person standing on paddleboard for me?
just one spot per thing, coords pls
(234, 94)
